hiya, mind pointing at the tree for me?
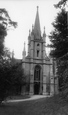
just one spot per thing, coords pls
(12, 79)
(59, 40)
(16, 78)
(58, 36)
(61, 3)
(5, 24)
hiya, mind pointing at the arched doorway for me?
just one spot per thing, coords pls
(37, 72)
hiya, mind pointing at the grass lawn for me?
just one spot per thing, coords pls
(46, 106)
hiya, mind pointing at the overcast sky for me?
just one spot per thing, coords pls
(24, 13)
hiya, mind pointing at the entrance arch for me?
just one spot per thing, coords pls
(37, 72)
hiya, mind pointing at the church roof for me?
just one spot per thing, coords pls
(37, 30)
(27, 56)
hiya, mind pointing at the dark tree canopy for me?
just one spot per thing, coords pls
(5, 19)
(5, 24)
(58, 36)
(12, 79)
(61, 3)
(5, 60)
(59, 43)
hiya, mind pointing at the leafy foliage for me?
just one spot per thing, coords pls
(3, 33)
(59, 40)
(59, 37)
(5, 19)
(5, 24)
(5, 66)
(61, 3)
(11, 78)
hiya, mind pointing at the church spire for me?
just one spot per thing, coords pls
(44, 34)
(37, 30)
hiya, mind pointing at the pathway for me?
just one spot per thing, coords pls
(34, 97)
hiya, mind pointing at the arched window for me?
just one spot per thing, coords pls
(37, 73)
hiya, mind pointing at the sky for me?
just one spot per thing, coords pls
(24, 13)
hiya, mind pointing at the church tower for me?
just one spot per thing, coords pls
(37, 65)
(37, 58)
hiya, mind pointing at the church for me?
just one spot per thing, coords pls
(37, 65)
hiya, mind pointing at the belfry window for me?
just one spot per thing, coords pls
(37, 44)
(37, 53)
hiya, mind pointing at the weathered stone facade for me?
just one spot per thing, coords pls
(37, 65)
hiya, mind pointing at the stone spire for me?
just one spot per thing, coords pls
(24, 52)
(37, 30)
(44, 34)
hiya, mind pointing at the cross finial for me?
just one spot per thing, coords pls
(44, 29)
(37, 8)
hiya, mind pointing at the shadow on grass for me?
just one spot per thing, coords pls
(6, 105)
